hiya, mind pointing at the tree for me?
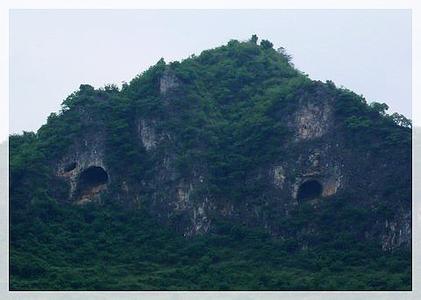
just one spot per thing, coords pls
(401, 120)
(381, 108)
(330, 84)
(283, 52)
(254, 39)
(266, 44)
(86, 88)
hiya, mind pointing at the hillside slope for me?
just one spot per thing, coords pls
(250, 163)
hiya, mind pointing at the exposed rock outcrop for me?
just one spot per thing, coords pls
(315, 164)
(77, 164)
(168, 82)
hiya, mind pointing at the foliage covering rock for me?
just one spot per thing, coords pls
(217, 148)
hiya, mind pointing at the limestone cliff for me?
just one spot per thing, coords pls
(247, 139)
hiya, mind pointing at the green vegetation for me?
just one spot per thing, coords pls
(225, 116)
(84, 248)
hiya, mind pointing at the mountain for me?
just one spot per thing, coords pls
(227, 170)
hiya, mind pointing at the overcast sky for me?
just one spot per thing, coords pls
(52, 52)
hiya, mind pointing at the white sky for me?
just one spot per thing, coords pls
(52, 52)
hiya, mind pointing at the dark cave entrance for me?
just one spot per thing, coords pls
(91, 181)
(309, 190)
(70, 167)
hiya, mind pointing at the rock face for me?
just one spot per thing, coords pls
(168, 82)
(397, 232)
(84, 169)
(316, 164)
(147, 134)
(312, 120)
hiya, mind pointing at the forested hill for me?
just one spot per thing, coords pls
(227, 170)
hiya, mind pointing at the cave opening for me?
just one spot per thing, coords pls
(91, 181)
(309, 190)
(70, 167)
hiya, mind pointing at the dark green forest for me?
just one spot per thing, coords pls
(225, 116)
(85, 248)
